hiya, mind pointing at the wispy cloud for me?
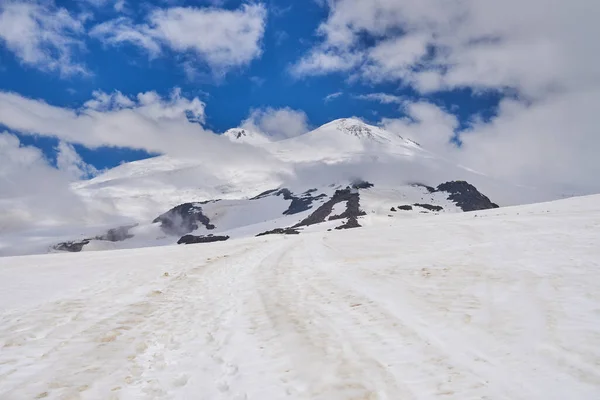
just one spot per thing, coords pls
(280, 37)
(332, 96)
(257, 80)
(382, 98)
(42, 36)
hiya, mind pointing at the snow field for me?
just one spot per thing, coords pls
(499, 304)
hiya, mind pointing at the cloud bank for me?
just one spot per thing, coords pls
(34, 193)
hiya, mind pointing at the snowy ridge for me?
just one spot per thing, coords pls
(494, 304)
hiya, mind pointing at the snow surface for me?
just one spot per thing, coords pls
(497, 304)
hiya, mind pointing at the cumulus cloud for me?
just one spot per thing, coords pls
(42, 36)
(71, 163)
(278, 124)
(220, 38)
(435, 44)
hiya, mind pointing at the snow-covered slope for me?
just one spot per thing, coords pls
(497, 304)
(324, 160)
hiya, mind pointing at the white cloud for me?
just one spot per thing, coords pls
(71, 163)
(332, 96)
(257, 80)
(550, 145)
(42, 36)
(278, 124)
(322, 62)
(118, 5)
(426, 124)
(383, 98)
(33, 190)
(164, 125)
(533, 47)
(104, 102)
(222, 39)
(280, 37)
(146, 121)
(122, 30)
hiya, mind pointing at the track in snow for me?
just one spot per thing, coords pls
(499, 307)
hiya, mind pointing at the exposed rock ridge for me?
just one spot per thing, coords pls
(183, 219)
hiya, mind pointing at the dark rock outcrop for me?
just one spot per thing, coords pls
(72, 247)
(466, 196)
(463, 194)
(183, 219)
(352, 208)
(359, 184)
(117, 234)
(405, 208)
(351, 223)
(280, 231)
(393, 209)
(352, 212)
(264, 194)
(299, 203)
(112, 235)
(429, 188)
(320, 214)
(191, 239)
(429, 207)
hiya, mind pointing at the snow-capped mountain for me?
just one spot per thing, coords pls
(359, 129)
(343, 174)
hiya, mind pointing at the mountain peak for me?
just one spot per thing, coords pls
(356, 128)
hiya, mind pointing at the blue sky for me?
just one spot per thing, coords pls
(265, 82)
(471, 80)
